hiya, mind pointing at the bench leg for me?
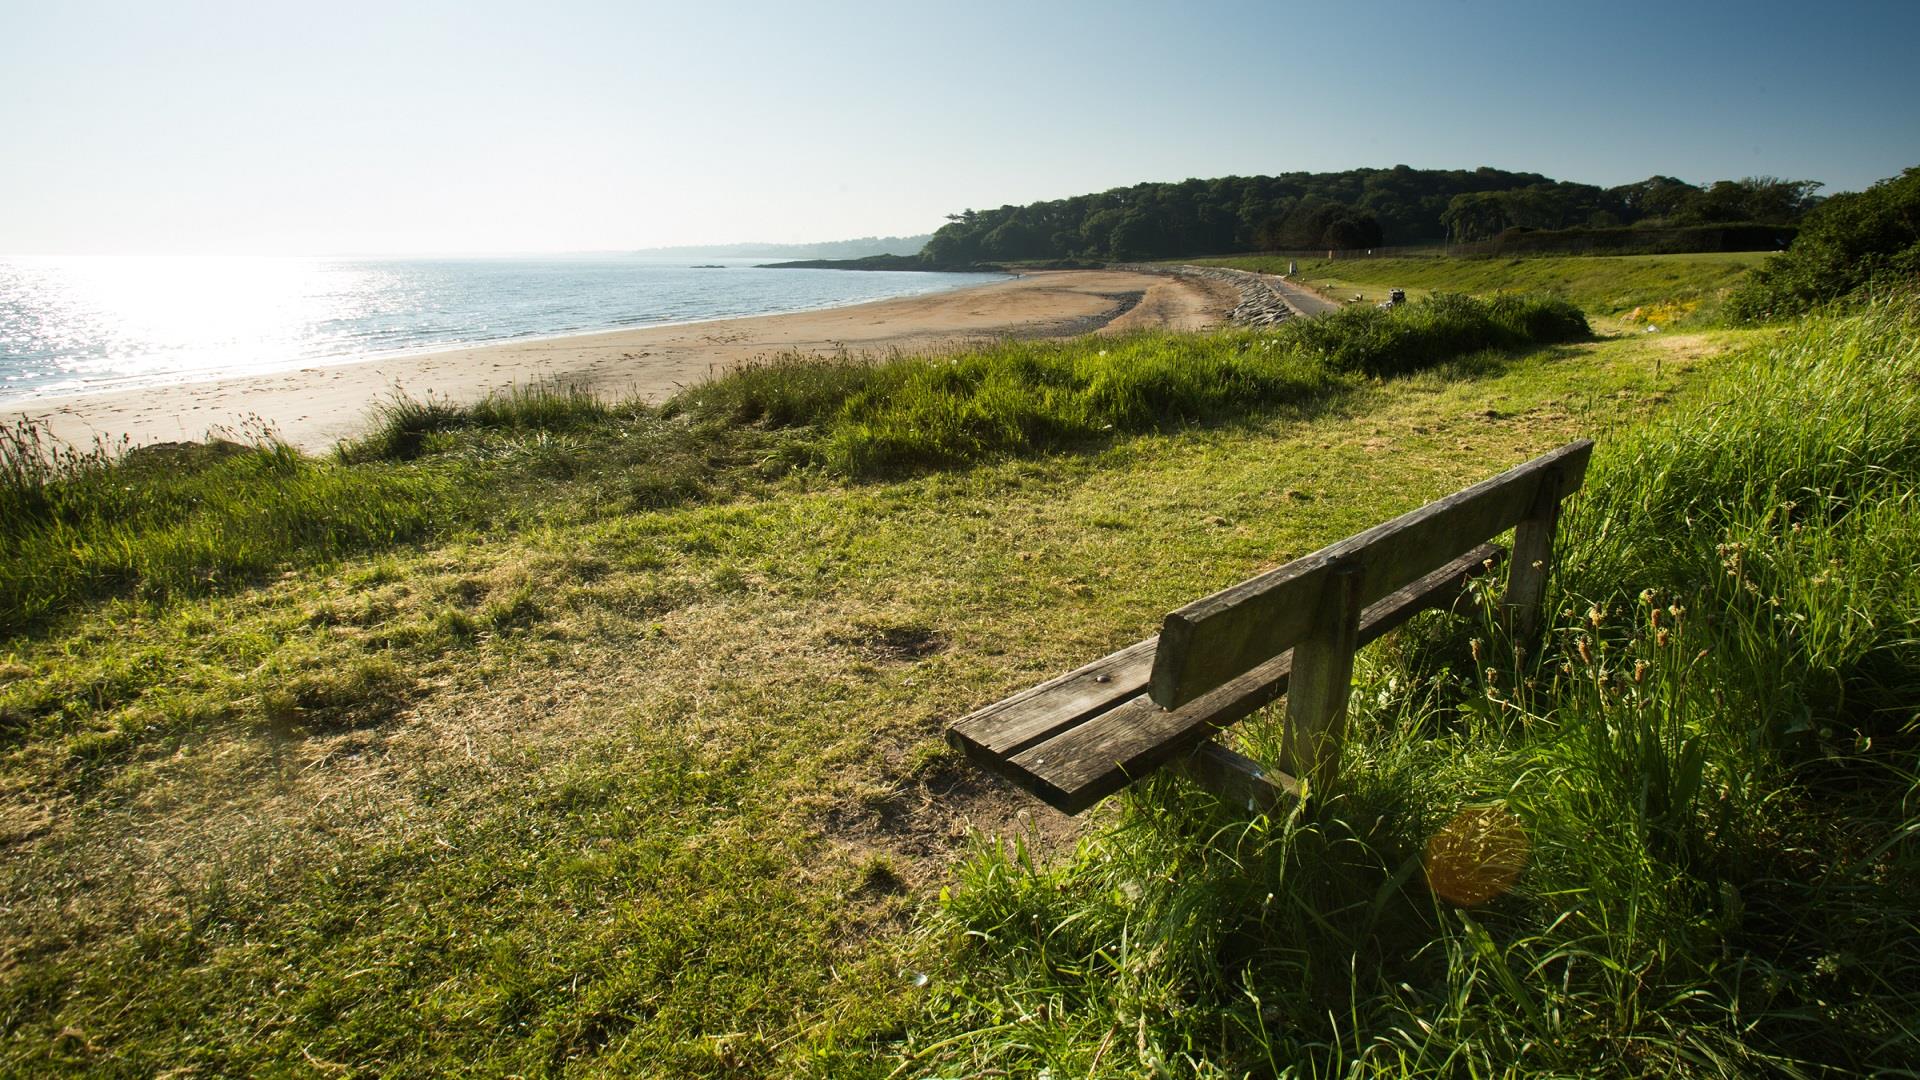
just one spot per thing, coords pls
(1237, 779)
(1322, 681)
(1532, 558)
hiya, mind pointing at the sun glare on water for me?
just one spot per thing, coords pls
(79, 322)
(131, 316)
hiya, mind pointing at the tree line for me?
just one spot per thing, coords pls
(1359, 208)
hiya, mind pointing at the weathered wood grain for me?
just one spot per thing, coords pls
(1035, 715)
(1237, 779)
(1211, 641)
(1532, 561)
(1322, 682)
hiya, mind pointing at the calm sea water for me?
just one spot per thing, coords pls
(86, 323)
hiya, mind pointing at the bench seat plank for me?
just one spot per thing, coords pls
(1011, 725)
(1104, 752)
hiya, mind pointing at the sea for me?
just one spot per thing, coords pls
(81, 324)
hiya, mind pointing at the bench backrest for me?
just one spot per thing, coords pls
(1211, 641)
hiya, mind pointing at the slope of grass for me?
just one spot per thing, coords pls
(1668, 289)
(193, 519)
(623, 791)
(164, 521)
(1680, 839)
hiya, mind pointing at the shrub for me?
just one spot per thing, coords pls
(1031, 396)
(1852, 241)
(1375, 342)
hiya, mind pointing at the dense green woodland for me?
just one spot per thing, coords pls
(1357, 208)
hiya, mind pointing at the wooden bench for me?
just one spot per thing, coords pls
(1075, 739)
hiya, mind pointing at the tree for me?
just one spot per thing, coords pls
(1847, 243)
(1360, 230)
(1654, 197)
(1297, 210)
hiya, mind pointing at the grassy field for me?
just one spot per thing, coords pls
(1669, 290)
(618, 750)
(1681, 840)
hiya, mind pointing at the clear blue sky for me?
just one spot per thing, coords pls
(318, 127)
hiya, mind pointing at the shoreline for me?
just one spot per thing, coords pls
(132, 383)
(316, 406)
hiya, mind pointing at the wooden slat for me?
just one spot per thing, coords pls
(1210, 641)
(1031, 716)
(1322, 682)
(1527, 574)
(1084, 764)
(1237, 779)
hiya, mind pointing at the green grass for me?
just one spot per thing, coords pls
(1678, 840)
(625, 757)
(613, 789)
(1668, 289)
(190, 519)
(184, 519)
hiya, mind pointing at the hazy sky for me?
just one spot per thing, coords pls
(336, 127)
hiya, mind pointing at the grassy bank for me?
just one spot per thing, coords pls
(1680, 840)
(1668, 289)
(627, 760)
(605, 787)
(189, 520)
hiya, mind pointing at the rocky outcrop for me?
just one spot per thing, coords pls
(1260, 303)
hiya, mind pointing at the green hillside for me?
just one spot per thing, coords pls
(1666, 287)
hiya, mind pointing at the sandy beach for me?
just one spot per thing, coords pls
(314, 407)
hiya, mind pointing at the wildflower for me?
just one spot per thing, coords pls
(1475, 646)
(1639, 671)
(1596, 616)
(1586, 653)
(1662, 637)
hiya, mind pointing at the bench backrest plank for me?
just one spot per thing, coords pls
(1083, 764)
(1211, 641)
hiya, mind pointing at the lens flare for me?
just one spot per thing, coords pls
(1477, 856)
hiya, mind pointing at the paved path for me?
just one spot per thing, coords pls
(1299, 297)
